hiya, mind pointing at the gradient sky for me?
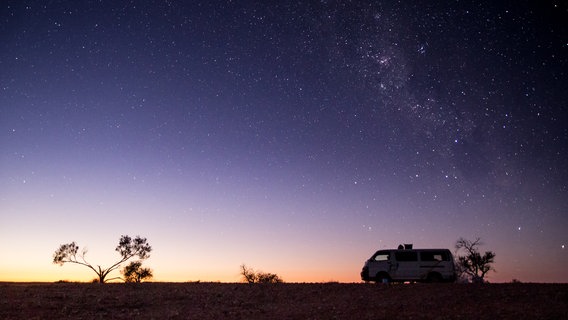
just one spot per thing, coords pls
(297, 138)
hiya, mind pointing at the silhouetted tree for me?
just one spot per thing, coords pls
(250, 276)
(473, 265)
(134, 272)
(127, 247)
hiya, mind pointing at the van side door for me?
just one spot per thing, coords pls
(406, 265)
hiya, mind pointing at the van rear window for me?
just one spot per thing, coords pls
(434, 256)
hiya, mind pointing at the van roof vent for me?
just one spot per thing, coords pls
(406, 246)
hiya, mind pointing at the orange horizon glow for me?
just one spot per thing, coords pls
(75, 273)
(80, 274)
(318, 264)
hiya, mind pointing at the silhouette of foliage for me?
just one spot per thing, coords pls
(127, 247)
(248, 274)
(251, 276)
(262, 277)
(473, 265)
(134, 272)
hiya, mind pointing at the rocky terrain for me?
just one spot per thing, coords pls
(282, 301)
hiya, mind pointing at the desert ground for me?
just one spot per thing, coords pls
(282, 301)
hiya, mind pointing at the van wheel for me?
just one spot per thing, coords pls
(434, 278)
(382, 278)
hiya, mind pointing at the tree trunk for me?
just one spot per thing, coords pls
(102, 275)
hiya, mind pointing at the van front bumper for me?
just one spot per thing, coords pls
(365, 274)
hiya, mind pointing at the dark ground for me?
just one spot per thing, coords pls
(282, 301)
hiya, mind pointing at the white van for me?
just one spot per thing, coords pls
(414, 265)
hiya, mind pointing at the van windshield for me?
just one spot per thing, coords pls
(381, 256)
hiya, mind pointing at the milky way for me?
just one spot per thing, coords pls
(303, 131)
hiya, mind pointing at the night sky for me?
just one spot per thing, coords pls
(297, 138)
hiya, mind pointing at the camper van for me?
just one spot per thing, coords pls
(410, 265)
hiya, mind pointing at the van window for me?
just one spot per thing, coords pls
(434, 256)
(382, 257)
(406, 256)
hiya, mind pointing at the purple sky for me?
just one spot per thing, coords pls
(295, 138)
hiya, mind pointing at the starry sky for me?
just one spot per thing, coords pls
(295, 137)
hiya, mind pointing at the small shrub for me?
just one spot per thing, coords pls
(251, 276)
(268, 278)
(135, 273)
